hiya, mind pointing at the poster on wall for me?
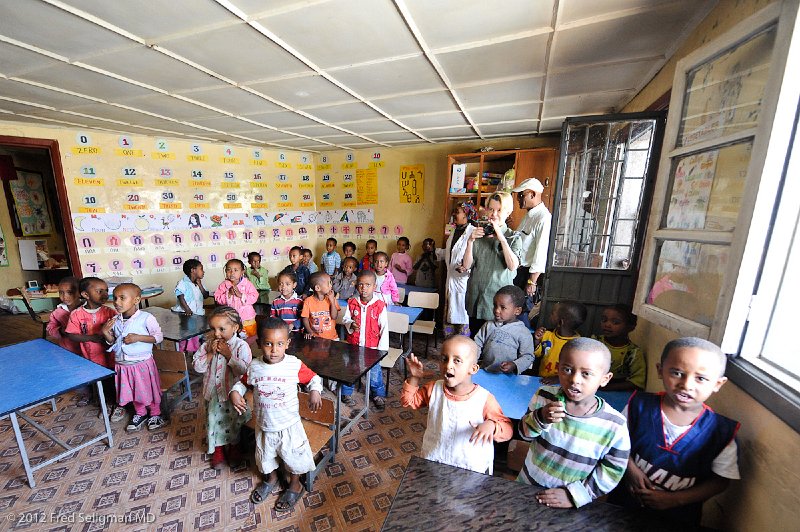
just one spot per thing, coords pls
(412, 183)
(367, 186)
(3, 249)
(30, 203)
(691, 189)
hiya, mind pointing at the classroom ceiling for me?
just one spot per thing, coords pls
(331, 74)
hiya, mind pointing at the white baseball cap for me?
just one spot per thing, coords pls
(529, 184)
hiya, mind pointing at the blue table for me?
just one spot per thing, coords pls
(514, 392)
(413, 313)
(35, 371)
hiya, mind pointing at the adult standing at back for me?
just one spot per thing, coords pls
(456, 320)
(492, 253)
(534, 230)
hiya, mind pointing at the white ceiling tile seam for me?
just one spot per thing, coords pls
(551, 41)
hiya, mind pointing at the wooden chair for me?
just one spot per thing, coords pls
(428, 300)
(173, 372)
(26, 300)
(320, 429)
(398, 323)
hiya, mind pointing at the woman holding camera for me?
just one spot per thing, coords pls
(492, 252)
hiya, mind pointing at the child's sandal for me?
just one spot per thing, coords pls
(262, 491)
(288, 499)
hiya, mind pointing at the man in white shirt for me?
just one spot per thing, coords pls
(535, 231)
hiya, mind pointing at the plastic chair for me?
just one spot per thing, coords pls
(398, 323)
(173, 372)
(401, 295)
(26, 300)
(429, 300)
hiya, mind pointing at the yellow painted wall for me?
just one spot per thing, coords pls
(767, 497)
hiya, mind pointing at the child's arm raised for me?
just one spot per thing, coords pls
(202, 288)
(414, 396)
(334, 306)
(107, 331)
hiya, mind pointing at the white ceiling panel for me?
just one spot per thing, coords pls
(265, 135)
(82, 81)
(237, 52)
(16, 107)
(598, 78)
(118, 113)
(282, 119)
(505, 113)
(294, 142)
(314, 131)
(149, 19)
(144, 64)
(302, 91)
(501, 93)
(342, 139)
(595, 103)
(27, 92)
(366, 127)
(512, 128)
(52, 29)
(225, 123)
(232, 100)
(428, 102)
(468, 22)
(15, 60)
(434, 120)
(401, 135)
(495, 61)
(350, 31)
(551, 124)
(164, 105)
(574, 10)
(455, 131)
(392, 77)
(342, 112)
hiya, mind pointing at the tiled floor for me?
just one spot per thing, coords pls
(164, 475)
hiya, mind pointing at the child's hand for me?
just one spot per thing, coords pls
(400, 269)
(235, 291)
(508, 367)
(314, 400)
(658, 499)
(415, 367)
(552, 412)
(484, 433)
(109, 325)
(308, 335)
(538, 335)
(548, 381)
(636, 480)
(238, 402)
(130, 339)
(255, 272)
(187, 312)
(555, 498)
(223, 349)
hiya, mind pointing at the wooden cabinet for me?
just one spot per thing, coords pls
(482, 170)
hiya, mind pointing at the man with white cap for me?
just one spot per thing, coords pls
(535, 231)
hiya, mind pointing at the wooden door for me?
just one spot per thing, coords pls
(602, 198)
(543, 165)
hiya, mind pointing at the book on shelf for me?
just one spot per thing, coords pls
(457, 179)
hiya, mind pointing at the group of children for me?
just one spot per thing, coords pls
(665, 453)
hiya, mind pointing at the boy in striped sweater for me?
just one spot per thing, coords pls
(579, 444)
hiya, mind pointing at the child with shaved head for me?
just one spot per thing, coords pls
(464, 419)
(579, 444)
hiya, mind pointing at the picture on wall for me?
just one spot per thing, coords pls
(30, 204)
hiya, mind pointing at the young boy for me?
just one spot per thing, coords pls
(366, 319)
(427, 264)
(579, 444)
(287, 305)
(627, 360)
(565, 318)
(385, 286)
(308, 261)
(401, 263)
(85, 328)
(366, 262)
(68, 293)
(331, 260)
(320, 309)
(279, 429)
(258, 274)
(349, 250)
(505, 344)
(682, 452)
(296, 267)
(344, 282)
(464, 419)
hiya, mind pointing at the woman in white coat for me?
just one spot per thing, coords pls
(456, 320)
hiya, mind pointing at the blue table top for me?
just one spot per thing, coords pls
(34, 371)
(413, 288)
(514, 392)
(413, 313)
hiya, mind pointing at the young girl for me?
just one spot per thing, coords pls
(59, 318)
(386, 285)
(132, 334)
(190, 293)
(456, 319)
(238, 292)
(627, 360)
(224, 358)
(426, 265)
(401, 263)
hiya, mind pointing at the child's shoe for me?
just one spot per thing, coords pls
(380, 403)
(348, 400)
(156, 422)
(117, 414)
(217, 458)
(234, 455)
(136, 423)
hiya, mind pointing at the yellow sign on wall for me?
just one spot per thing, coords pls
(367, 186)
(412, 183)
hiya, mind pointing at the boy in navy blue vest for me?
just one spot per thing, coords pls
(682, 452)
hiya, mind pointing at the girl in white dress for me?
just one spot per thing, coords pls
(456, 319)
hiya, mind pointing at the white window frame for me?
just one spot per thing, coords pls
(770, 141)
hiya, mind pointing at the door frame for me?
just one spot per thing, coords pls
(647, 197)
(51, 145)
